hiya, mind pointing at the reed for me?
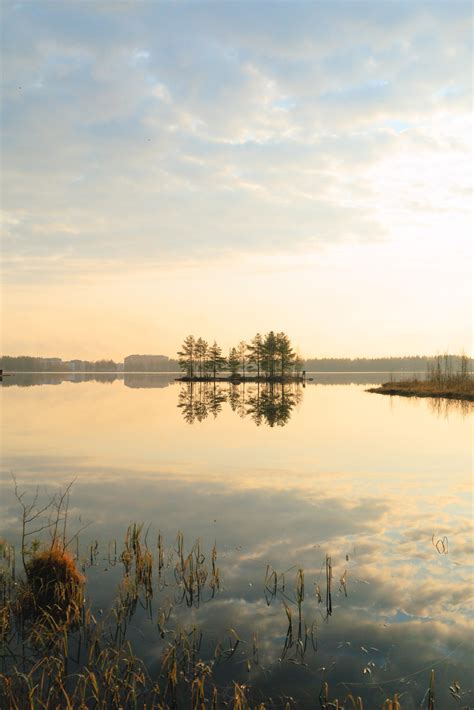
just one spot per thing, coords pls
(328, 586)
(447, 377)
(73, 660)
(351, 702)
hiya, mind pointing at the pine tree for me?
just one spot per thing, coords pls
(255, 349)
(233, 362)
(284, 353)
(187, 356)
(270, 354)
(201, 352)
(216, 361)
(242, 351)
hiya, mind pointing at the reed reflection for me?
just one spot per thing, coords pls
(269, 403)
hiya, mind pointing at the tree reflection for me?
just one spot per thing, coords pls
(187, 405)
(270, 403)
(273, 403)
(215, 399)
(197, 401)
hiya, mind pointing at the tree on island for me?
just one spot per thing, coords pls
(216, 362)
(271, 356)
(255, 348)
(187, 355)
(201, 353)
(298, 365)
(285, 353)
(233, 362)
(276, 354)
(242, 351)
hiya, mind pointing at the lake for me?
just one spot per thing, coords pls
(290, 486)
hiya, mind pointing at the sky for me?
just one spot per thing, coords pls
(226, 168)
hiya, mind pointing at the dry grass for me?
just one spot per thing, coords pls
(427, 388)
(92, 664)
(53, 585)
(414, 388)
(56, 654)
(441, 382)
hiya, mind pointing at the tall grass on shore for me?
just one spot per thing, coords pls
(443, 374)
(448, 377)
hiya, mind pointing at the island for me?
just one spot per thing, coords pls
(267, 359)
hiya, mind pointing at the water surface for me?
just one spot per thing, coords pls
(373, 482)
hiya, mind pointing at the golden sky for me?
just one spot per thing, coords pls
(226, 169)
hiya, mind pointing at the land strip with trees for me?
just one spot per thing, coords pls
(269, 358)
(162, 363)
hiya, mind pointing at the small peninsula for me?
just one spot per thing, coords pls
(441, 382)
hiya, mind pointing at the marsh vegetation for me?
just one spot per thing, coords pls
(57, 652)
(442, 380)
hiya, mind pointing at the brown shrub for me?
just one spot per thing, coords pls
(53, 585)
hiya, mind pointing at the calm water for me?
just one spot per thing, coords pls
(280, 479)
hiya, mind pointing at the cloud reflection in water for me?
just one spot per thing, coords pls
(408, 605)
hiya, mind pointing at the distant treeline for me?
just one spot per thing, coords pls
(150, 363)
(162, 363)
(417, 363)
(25, 363)
(132, 363)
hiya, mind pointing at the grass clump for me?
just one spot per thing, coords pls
(53, 584)
(65, 657)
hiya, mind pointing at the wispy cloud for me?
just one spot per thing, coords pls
(182, 132)
(163, 128)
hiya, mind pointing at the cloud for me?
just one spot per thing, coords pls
(158, 129)
(404, 614)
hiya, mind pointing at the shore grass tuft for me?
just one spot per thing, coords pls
(53, 584)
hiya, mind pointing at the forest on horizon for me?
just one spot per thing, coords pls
(162, 363)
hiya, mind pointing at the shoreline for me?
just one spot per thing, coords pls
(421, 389)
